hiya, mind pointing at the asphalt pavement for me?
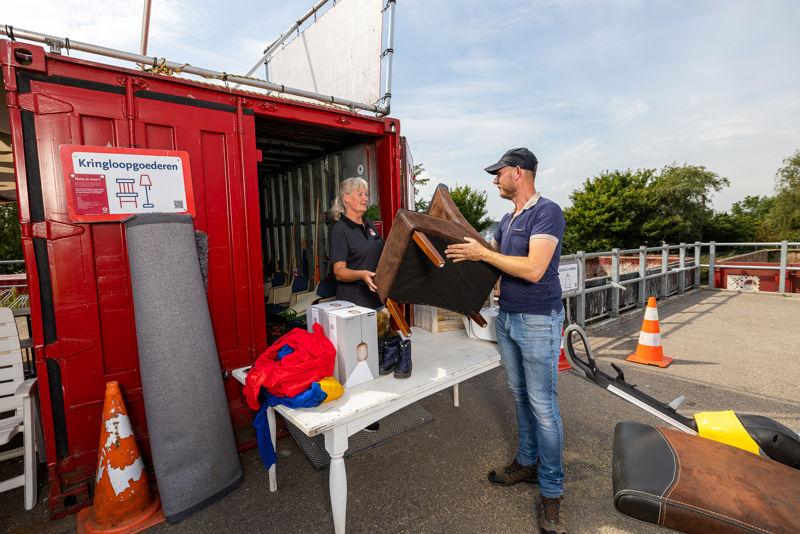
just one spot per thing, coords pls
(731, 350)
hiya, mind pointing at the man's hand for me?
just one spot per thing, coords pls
(471, 250)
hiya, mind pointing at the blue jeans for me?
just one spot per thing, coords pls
(530, 346)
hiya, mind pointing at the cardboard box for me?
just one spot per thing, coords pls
(354, 333)
(436, 320)
(318, 313)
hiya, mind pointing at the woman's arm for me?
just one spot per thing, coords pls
(343, 274)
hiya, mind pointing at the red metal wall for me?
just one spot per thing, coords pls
(81, 305)
(768, 279)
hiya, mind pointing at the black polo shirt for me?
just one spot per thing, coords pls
(360, 247)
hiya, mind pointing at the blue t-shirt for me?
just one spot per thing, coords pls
(541, 218)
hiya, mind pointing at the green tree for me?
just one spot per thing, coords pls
(472, 205)
(783, 219)
(609, 211)
(681, 195)
(743, 223)
(10, 238)
(419, 181)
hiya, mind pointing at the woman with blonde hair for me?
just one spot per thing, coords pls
(355, 245)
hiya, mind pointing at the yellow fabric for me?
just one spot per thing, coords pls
(726, 428)
(332, 387)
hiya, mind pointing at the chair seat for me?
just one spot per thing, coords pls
(697, 485)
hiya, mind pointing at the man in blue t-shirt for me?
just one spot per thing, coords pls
(527, 248)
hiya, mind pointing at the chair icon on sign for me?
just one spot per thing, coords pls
(126, 192)
(144, 181)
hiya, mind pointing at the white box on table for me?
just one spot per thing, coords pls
(318, 313)
(354, 333)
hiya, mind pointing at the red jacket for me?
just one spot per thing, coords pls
(311, 360)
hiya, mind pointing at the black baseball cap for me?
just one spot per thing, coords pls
(516, 157)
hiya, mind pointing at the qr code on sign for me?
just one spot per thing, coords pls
(178, 204)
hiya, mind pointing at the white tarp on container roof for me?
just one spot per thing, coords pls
(338, 55)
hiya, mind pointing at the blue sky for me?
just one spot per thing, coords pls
(588, 85)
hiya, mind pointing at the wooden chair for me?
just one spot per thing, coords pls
(413, 268)
(18, 411)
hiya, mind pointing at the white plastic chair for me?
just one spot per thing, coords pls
(17, 399)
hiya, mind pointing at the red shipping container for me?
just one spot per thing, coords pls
(257, 163)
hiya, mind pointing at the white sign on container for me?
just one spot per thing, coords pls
(110, 183)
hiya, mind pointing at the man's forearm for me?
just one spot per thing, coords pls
(519, 266)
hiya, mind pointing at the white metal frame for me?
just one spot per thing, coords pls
(17, 395)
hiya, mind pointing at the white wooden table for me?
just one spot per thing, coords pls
(439, 361)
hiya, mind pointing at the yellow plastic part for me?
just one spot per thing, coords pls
(726, 428)
(332, 387)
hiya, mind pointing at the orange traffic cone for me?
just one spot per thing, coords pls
(563, 364)
(649, 350)
(122, 501)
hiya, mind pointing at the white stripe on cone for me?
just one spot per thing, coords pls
(651, 314)
(651, 340)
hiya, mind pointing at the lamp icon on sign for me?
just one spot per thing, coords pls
(144, 181)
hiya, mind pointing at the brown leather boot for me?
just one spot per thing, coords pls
(514, 473)
(551, 517)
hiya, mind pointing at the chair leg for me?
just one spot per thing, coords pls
(427, 247)
(41, 453)
(29, 458)
(397, 315)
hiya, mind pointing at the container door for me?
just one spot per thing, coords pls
(81, 304)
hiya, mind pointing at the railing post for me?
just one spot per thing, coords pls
(642, 275)
(712, 255)
(697, 246)
(580, 300)
(682, 275)
(664, 270)
(784, 253)
(614, 282)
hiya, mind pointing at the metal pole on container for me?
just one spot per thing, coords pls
(664, 270)
(63, 42)
(642, 275)
(682, 275)
(697, 246)
(712, 255)
(615, 282)
(389, 52)
(145, 27)
(784, 254)
(581, 299)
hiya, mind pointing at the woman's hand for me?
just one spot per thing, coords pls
(367, 277)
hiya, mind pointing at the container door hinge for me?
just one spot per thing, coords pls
(42, 104)
(50, 230)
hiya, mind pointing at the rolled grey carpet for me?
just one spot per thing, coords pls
(191, 436)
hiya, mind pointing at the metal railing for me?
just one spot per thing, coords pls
(10, 295)
(609, 295)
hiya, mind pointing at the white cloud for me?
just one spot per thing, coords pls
(625, 109)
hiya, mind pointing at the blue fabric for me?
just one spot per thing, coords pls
(283, 351)
(530, 345)
(313, 396)
(520, 295)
